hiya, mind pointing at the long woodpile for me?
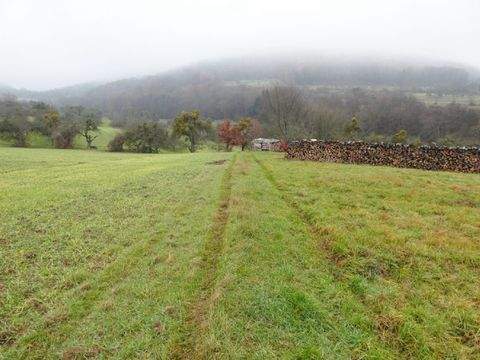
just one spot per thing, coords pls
(406, 156)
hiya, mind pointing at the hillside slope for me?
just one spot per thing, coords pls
(229, 88)
(188, 256)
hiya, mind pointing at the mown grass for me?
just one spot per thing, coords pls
(184, 256)
(97, 249)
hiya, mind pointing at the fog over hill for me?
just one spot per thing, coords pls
(307, 69)
(54, 43)
(229, 87)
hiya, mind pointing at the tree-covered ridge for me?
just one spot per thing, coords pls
(329, 92)
(229, 87)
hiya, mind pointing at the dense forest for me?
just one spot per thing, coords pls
(329, 94)
(382, 114)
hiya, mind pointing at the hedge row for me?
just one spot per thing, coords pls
(406, 156)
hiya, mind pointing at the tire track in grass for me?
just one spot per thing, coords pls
(385, 328)
(89, 292)
(305, 217)
(317, 234)
(188, 344)
(308, 220)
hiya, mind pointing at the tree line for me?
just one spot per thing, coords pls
(188, 128)
(19, 119)
(282, 112)
(314, 113)
(290, 113)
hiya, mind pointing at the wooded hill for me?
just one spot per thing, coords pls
(230, 88)
(330, 91)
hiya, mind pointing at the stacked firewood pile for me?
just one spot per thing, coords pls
(407, 156)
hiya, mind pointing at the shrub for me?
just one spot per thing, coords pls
(65, 137)
(147, 138)
(15, 129)
(400, 137)
(352, 129)
(116, 144)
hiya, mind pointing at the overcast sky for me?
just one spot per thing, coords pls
(52, 43)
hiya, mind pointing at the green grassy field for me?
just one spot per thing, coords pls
(109, 255)
(472, 101)
(105, 134)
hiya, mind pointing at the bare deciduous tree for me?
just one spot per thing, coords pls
(284, 106)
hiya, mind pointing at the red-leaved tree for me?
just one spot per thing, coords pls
(229, 134)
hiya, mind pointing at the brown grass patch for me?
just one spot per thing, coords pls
(7, 338)
(79, 352)
(158, 327)
(388, 326)
(217, 162)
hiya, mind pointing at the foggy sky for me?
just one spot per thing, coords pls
(51, 43)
